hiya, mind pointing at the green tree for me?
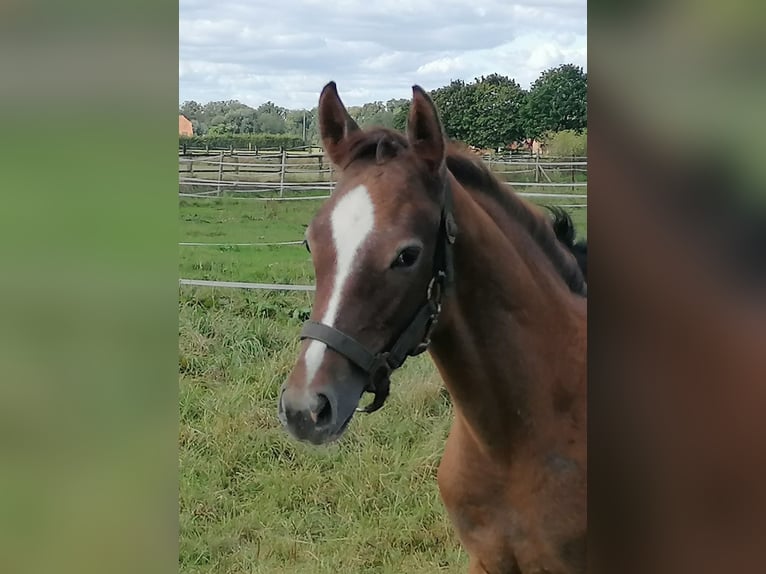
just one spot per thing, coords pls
(372, 114)
(399, 121)
(455, 102)
(241, 120)
(194, 111)
(272, 118)
(485, 113)
(191, 110)
(557, 101)
(299, 121)
(497, 102)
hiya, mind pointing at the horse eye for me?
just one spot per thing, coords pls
(406, 258)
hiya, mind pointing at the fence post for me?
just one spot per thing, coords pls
(282, 173)
(220, 173)
(573, 172)
(537, 168)
(236, 160)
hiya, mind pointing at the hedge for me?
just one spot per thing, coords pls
(240, 141)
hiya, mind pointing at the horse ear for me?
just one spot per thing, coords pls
(335, 123)
(424, 130)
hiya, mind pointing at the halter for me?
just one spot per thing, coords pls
(416, 337)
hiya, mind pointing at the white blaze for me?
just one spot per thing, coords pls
(352, 220)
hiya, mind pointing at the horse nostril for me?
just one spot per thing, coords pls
(323, 411)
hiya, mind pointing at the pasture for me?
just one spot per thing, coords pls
(251, 498)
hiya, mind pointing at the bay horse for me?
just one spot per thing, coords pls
(421, 247)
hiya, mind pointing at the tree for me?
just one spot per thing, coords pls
(372, 114)
(241, 120)
(399, 121)
(557, 101)
(485, 113)
(497, 104)
(454, 103)
(191, 110)
(271, 118)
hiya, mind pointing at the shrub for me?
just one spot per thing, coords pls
(567, 143)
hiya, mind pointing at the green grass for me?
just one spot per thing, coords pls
(245, 221)
(254, 500)
(229, 220)
(251, 498)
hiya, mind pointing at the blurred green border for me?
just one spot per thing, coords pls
(88, 287)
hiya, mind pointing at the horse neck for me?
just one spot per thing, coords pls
(511, 332)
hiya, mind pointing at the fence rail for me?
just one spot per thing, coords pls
(241, 285)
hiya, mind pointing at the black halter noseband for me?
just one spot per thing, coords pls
(416, 337)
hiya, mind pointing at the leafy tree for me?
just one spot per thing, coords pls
(294, 123)
(455, 102)
(271, 118)
(270, 108)
(241, 120)
(557, 101)
(191, 110)
(496, 111)
(217, 130)
(396, 103)
(199, 128)
(399, 121)
(194, 112)
(372, 114)
(485, 113)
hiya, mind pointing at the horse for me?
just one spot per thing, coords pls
(420, 247)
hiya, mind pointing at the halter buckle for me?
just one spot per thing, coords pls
(379, 384)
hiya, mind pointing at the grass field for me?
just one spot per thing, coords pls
(252, 499)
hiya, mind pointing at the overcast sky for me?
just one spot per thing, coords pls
(286, 50)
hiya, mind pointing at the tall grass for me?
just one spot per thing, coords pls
(254, 500)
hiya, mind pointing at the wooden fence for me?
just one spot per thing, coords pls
(283, 171)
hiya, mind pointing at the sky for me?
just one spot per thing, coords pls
(285, 51)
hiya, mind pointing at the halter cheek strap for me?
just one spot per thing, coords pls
(416, 337)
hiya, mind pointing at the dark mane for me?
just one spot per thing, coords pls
(565, 232)
(556, 236)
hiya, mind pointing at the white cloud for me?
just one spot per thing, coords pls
(286, 51)
(442, 66)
